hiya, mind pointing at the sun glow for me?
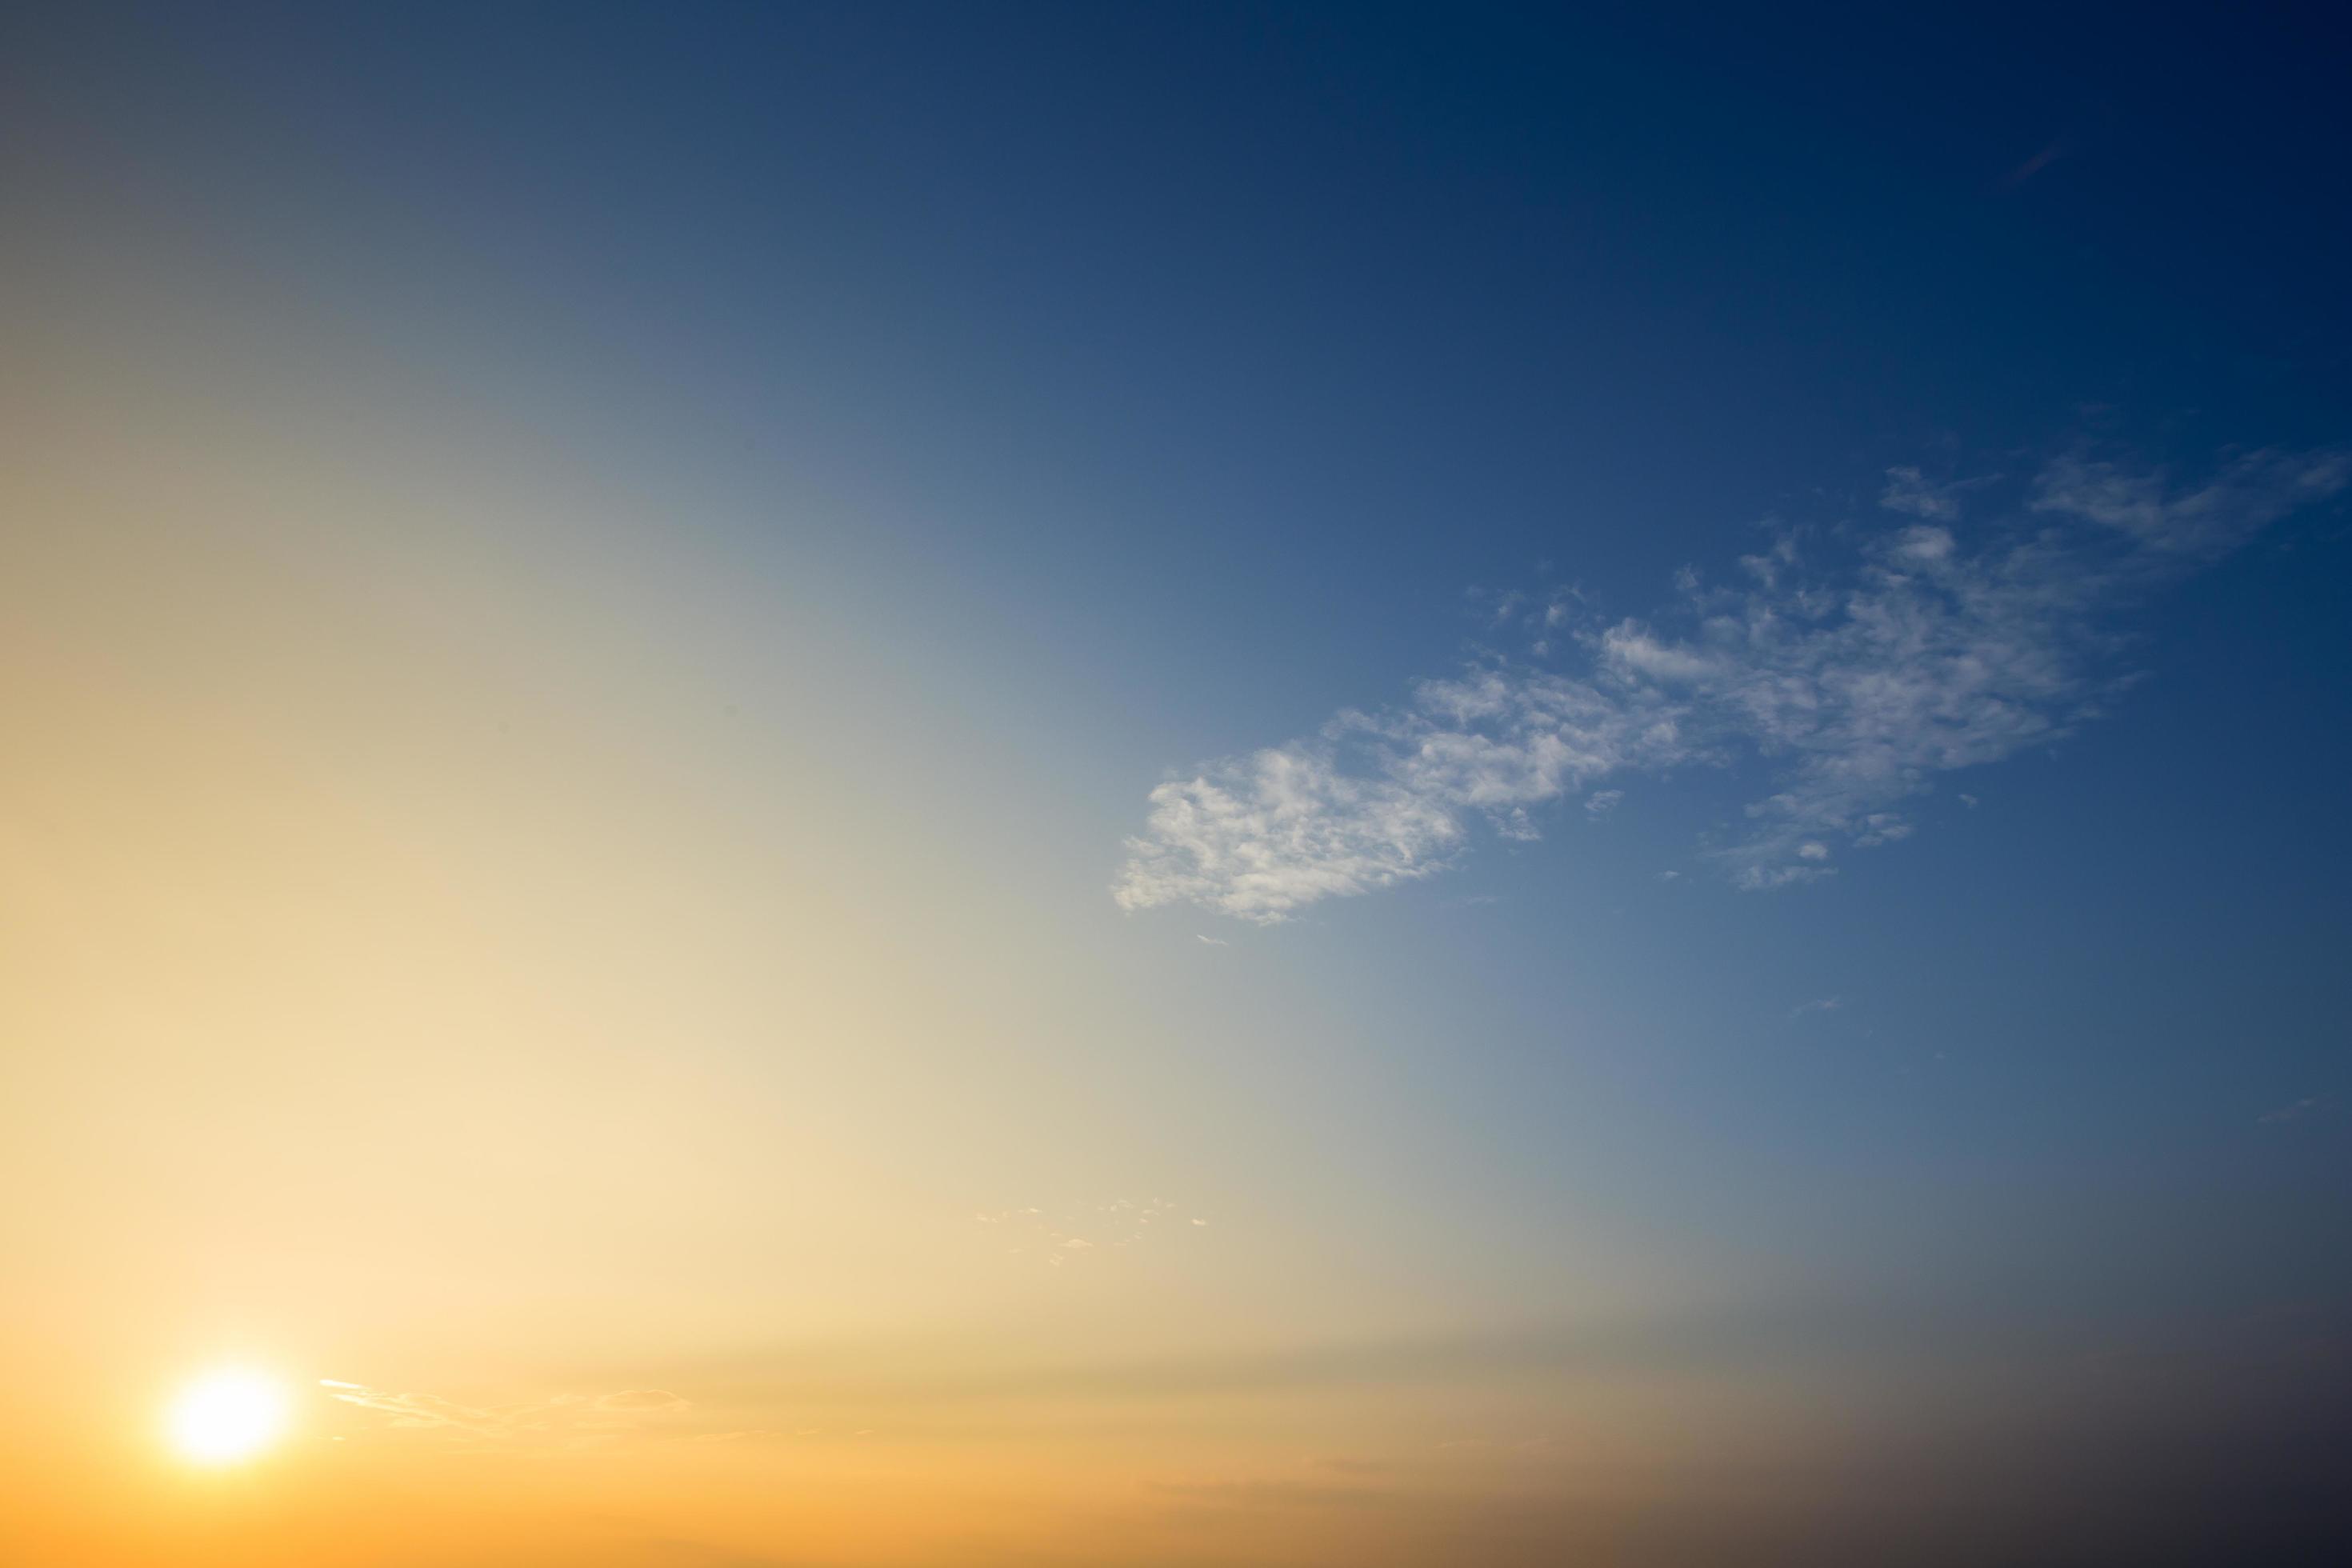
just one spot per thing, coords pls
(226, 1416)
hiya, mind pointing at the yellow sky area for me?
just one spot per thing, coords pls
(432, 916)
(451, 948)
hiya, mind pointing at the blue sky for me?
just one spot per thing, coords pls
(1692, 666)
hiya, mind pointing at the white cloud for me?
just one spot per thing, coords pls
(571, 1420)
(1847, 686)
(1262, 837)
(1908, 492)
(1055, 1237)
(1820, 1004)
(2246, 495)
(1212, 941)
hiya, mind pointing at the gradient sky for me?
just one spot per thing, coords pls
(865, 785)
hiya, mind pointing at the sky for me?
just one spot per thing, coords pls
(869, 785)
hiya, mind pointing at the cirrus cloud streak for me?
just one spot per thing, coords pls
(1841, 674)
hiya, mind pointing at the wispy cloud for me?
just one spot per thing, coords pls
(1912, 493)
(1820, 1004)
(1847, 676)
(2295, 1113)
(1276, 1494)
(2206, 519)
(568, 1419)
(1058, 1236)
(2033, 166)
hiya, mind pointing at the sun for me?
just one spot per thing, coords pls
(228, 1415)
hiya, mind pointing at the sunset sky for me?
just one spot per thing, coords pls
(859, 787)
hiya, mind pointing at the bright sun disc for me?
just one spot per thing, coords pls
(227, 1416)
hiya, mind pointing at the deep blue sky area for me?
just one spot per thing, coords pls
(1318, 313)
(1938, 920)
